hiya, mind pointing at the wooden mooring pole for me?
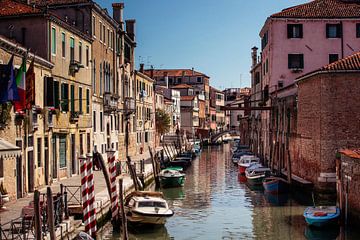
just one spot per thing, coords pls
(155, 169)
(122, 211)
(132, 173)
(37, 215)
(50, 213)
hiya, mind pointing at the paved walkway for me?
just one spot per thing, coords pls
(13, 208)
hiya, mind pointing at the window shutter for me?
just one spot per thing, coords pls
(289, 31)
(300, 31)
(339, 33)
(56, 95)
(289, 61)
(301, 56)
(327, 30)
(49, 91)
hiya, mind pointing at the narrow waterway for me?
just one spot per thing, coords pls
(216, 203)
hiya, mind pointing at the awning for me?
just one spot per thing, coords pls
(8, 149)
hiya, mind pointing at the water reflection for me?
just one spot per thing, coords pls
(312, 233)
(216, 203)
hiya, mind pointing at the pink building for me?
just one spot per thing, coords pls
(296, 41)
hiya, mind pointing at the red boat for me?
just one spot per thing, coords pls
(246, 161)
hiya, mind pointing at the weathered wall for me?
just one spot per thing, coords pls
(327, 121)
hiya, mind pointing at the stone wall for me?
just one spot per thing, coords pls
(328, 107)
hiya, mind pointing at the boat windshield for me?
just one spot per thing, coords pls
(152, 204)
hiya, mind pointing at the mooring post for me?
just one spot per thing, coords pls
(66, 207)
(37, 215)
(50, 213)
(132, 173)
(122, 211)
(154, 167)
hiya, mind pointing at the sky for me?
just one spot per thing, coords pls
(214, 37)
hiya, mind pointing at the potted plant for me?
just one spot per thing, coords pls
(4, 193)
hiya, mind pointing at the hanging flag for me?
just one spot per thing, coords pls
(20, 82)
(12, 94)
(6, 79)
(30, 86)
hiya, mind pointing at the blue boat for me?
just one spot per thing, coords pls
(275, 185)
(322, 215)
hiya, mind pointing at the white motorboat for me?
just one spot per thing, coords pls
(143, 207)
(245, 162)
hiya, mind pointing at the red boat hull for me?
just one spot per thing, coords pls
(242, 170)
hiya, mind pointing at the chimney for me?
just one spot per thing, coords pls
(193, 72)
(141, 68)
(166, 77)
(118, 13)
(130, 28)
(254, 56)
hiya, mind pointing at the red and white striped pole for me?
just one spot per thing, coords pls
(84, 192)
(114, 196)
(91, 193)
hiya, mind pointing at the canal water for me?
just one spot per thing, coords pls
(216, 203)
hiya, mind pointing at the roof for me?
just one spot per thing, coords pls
(187, 98)
(353, 153)
(322, 9)
(8, 149)
(57, 2)
(13, 8)
(350, 63)
(173, 72)
(182, 86)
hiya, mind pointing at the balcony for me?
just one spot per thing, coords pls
(130, 106)
(110, 102)
(74, 67)
(74, 116)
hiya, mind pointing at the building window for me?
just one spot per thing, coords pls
(80, 100)
(101, 122)
(94, 121)
(56, 94)
(100, 28)
(62, 151)
(72, 98)
(64, 97)
(296, 61)
(81, 144)
(53, 41)
(72, 49)
(80, 52)
(333, 58)
(267, 66)
(294, 30)
(87, 101)
(358, 30)
(94, 26)
(199, 80)
(94, 76)
(101, 76)
(257, 77)
(87, 56)
(63, 44)
(333, 30)
(108, 37)
(104, 34)
(39, 142)
(88, 143)
(264, 40)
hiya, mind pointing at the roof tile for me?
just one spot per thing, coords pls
(13, 8)
(181, 86)
(173, 72)
(322, 9)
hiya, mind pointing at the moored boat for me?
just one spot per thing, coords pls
(245, 162)
(256, 173)
(143, 207)
(171, 178)
(322, 215)
(275, 185)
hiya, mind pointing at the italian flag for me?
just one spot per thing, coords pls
(20, 82)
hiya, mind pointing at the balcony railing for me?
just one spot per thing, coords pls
(110, 102)
(130, 105)
(74, 116)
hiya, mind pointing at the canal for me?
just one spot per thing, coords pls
(216, 203)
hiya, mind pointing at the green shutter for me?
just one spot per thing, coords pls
(53, 40)
(72, 97)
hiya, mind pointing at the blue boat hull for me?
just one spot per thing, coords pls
(321, 221)
(275, 186)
